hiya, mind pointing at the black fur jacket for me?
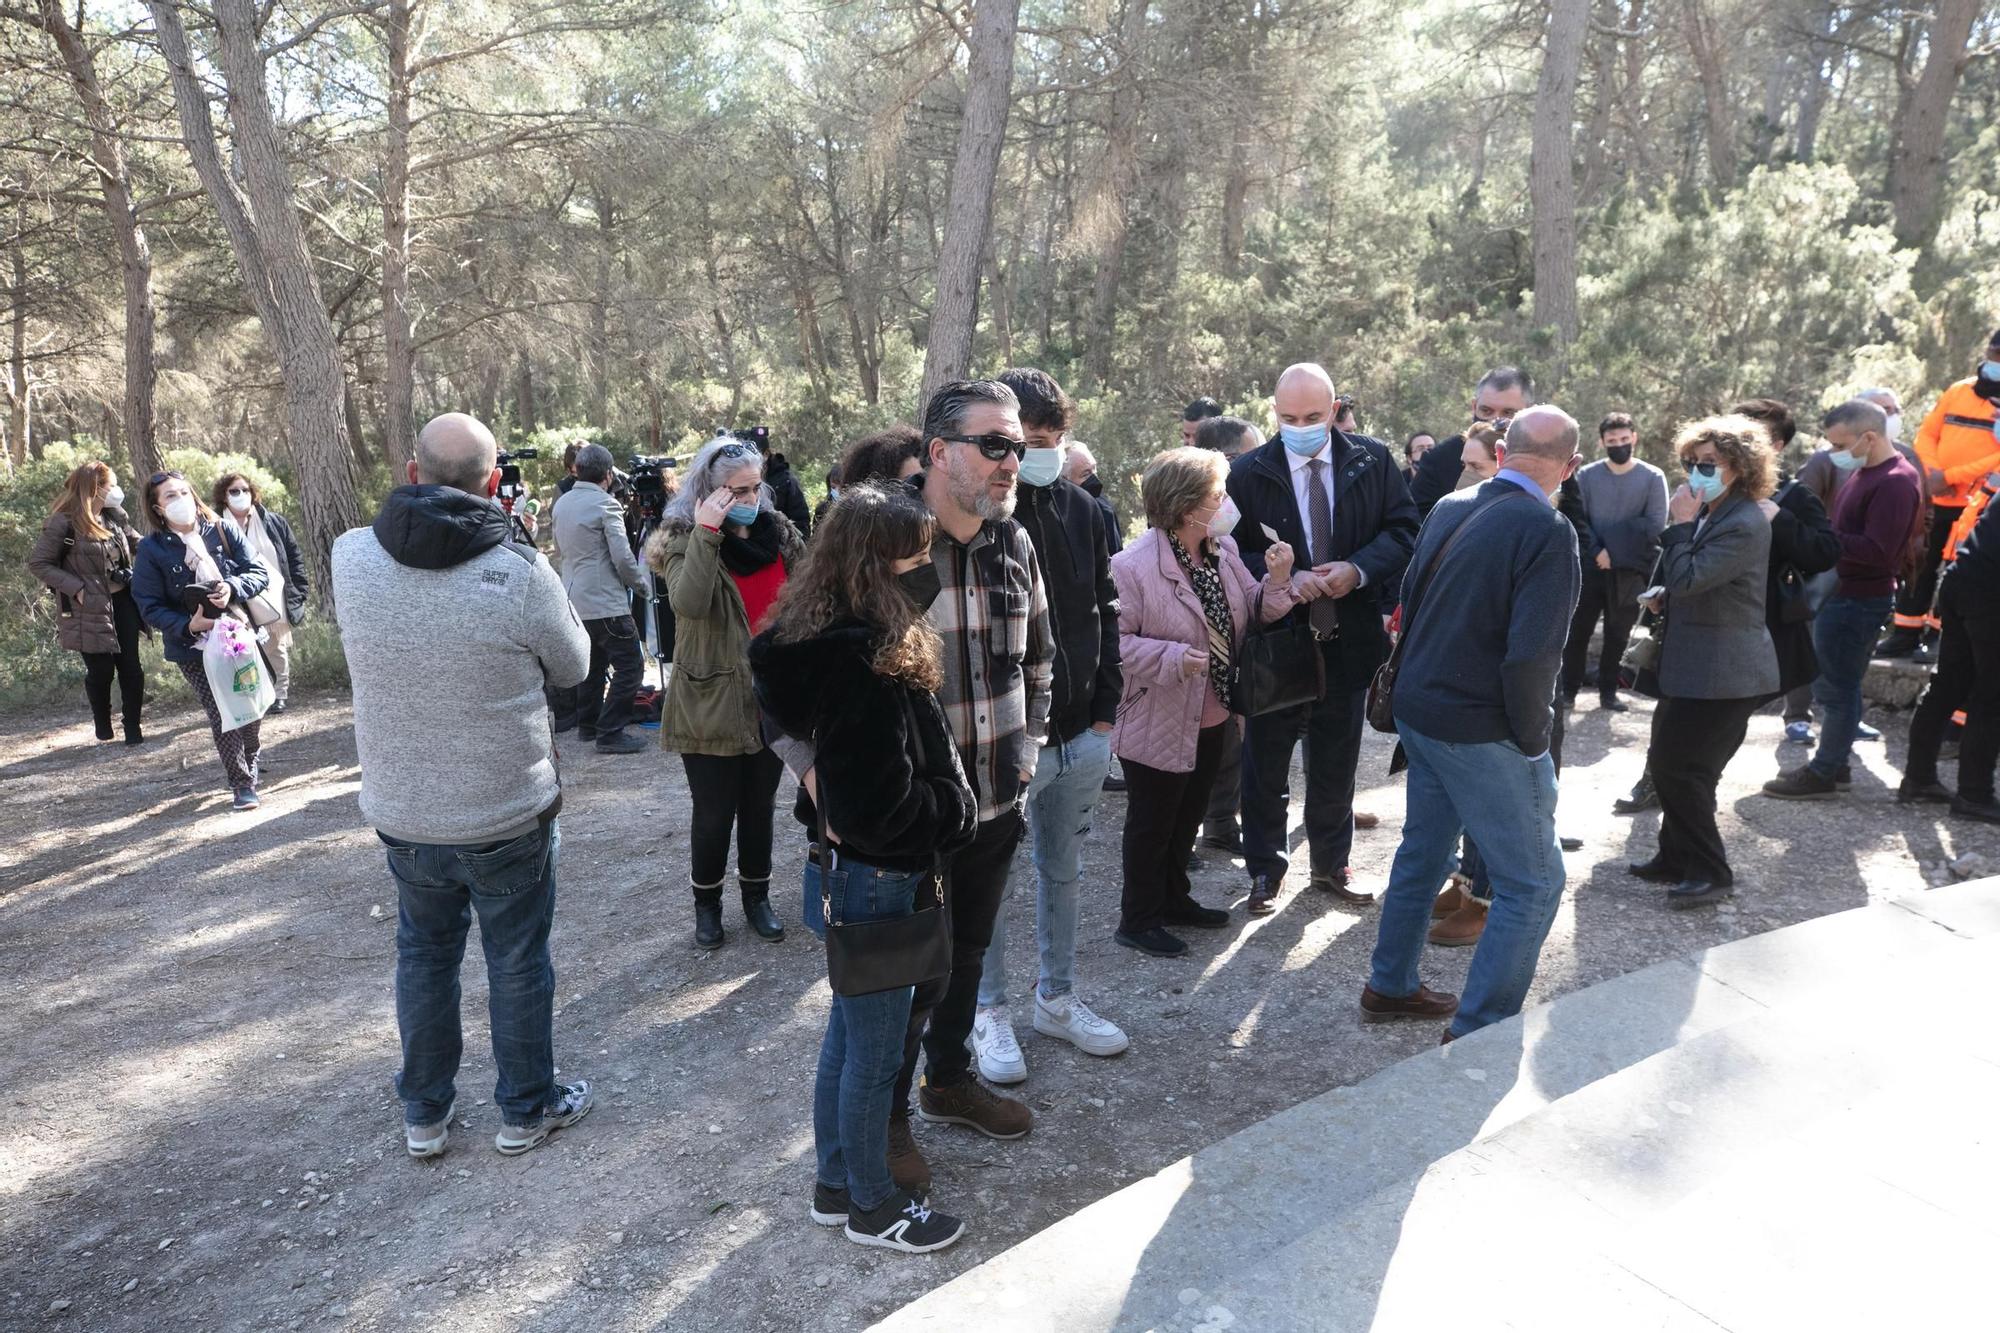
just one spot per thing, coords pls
(896, 794)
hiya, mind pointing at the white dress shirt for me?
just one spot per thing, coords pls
(1302, 494)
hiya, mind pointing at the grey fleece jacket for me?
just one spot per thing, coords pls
(451, 632)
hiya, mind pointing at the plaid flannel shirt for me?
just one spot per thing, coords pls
(999, 657)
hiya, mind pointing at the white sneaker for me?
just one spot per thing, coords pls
(1000, 1058)
(1071, 1019)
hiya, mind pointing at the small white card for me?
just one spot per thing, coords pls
(1269, 533)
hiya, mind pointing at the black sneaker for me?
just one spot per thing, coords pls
(1801, 784)
(1194, 914)
(829, 1205)
(905, 1223)
(1159, 942)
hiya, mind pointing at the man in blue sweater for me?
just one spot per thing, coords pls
(1487, 604)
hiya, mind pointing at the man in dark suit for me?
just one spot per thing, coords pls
(1343, 500)
(1502, 394)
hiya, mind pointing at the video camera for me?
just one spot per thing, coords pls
(757, 435)
(649, 482)
(510, 476)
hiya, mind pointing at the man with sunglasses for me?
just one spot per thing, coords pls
(1342, 498)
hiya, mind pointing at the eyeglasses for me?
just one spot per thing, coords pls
(992, 447)
(739, 451)
(1706, 469)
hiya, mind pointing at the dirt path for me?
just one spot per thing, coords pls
(200, 1131)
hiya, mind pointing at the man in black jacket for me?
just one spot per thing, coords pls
(1068, 532)
(1502, 394)
(1344, 501)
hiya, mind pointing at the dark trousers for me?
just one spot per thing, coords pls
(1968, 677)
(614, 649)
(941, 1011)
(1913, 596)
(1162, 814)
(1693, 741)
(731, 790)
(1332, 732)
(1602, 595)
(1225, 797)
(98, 668)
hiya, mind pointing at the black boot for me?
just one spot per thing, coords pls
(133, 735)
(757, 910)
(708, 917)
(1643, 797)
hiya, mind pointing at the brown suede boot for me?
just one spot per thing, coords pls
(1462, 927)
(907, 1166)
(1453, 897)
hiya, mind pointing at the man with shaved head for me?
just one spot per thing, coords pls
(1486, 612)
(452, 632)
(1341, 502)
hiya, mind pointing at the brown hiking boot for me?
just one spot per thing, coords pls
(970, 1102)
(1453, 897)
(1426, 1003)
(1363, 819)
(1462, 927)
(907, 1166)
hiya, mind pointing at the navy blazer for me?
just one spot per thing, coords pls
(160, 571)
(1374, 527)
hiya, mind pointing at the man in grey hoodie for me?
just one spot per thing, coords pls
(451, 633)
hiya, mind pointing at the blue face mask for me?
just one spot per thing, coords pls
(1305, 441)
(1706, 489)
(743, 515)
(1845, 461)
(1989, 370)
(1040, 467)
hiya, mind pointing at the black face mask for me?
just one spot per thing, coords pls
(1092, 484)
(921, 585)
(1621, 454)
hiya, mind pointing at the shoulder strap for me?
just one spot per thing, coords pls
(1429, 575)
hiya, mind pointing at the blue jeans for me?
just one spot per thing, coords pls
(1844, 635)
(862, 1052)
(1507, 803)
(1068, 778)
(512, 886)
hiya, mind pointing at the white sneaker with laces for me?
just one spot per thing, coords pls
(1071, 1019)
(1000, 1058)
(429, 1140)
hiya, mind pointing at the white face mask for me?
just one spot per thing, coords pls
(1225, 518)
(1895, 427)
(180, 511)
(239, 504)
(115, 497)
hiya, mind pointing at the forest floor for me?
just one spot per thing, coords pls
(199, 1125)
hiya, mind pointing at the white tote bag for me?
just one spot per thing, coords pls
(236, 673)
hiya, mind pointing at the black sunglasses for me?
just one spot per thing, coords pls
(1706, 469)
(992, 447)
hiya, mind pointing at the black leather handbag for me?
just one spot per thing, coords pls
(867, 957)
(1277, 666)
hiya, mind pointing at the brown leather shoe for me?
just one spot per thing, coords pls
(1362, 819)
(1453, 897)
(1426, 1003)
(1339, 883)
(971, 1103)
(1461, 928)
(907, 1166)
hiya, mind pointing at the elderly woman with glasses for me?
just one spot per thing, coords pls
(1717, 664)
(724, 553)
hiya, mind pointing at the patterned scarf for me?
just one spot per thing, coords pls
(1206, 578)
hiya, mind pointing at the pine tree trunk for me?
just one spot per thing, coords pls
(981, 135)
(1916, 159)
(135, 256)
(1552, 184)
(399, 370)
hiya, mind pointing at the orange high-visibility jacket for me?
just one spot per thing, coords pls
(1957, 440)
(1961, 527)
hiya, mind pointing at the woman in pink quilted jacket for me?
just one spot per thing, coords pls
(1184, 599)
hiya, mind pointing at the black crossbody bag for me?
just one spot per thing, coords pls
(866, 957)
